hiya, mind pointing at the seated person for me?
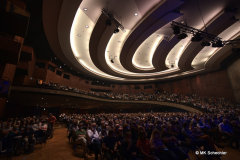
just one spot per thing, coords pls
(156, 143)
(189, 135)
(143, 146)
(151, 128)
(6, 129)
(103, 133)
(129, 150)
(16, 138)
(81, 138)
(119, 138)
(109, 146)
(236, 128)
(93, 139)
(171, 142)
(226, 130)
(28, 137)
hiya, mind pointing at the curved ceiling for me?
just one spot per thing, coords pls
(147, 49)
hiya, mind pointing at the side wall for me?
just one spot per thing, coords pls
(233, 72)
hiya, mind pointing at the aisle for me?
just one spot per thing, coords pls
(58, 148)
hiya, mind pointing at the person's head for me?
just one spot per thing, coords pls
(156, 134)
(128, 137)
(205, 120)
(93, 125)
(50, 114)
(31, 122)
(164, 128)
(142, 135)
(173, 123)
(110, 123)
(120, 131)
(104, 128)
(8, 125)
(80, 126)
(15, 127)
(75, 124)
(102, 123)
(111, 133)
(185, 125)
(225, 122)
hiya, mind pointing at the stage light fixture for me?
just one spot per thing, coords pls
(176, 30)
(219, 43)
(116, 30)
(205, 43)
(108, 22)
(182, 36)
(197, 38)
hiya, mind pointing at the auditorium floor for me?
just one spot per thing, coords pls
(58, 148)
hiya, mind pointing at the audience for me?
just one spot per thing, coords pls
(210, 104)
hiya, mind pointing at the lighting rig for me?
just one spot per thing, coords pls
(232, 42)
(112, 19)
(181, 31)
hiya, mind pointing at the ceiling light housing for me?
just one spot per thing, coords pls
(176, 30)
(204, 43)
(182, 36)
(196, 38)
(116, 30)
(108, 22)
(85, 9)
(219, 43)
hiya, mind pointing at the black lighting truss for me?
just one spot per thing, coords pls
(111, 17)
(187, 29)
(232, 42)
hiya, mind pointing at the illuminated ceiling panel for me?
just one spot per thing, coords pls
(176, 52)
(142, 58)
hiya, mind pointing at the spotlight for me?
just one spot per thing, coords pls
(217, 44)
(182, 36)
(112, 61)
(116, 30)
(197, 37)
(108, 22)
(205, 44)
(176, 30)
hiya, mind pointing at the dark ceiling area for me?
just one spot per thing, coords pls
(36, 38)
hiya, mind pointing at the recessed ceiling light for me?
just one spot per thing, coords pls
(86, 26)
(42, 98)
(64, 64)
(79, 35)
(135, 14)
(124, 30)
(60, 67)
(85, 9)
